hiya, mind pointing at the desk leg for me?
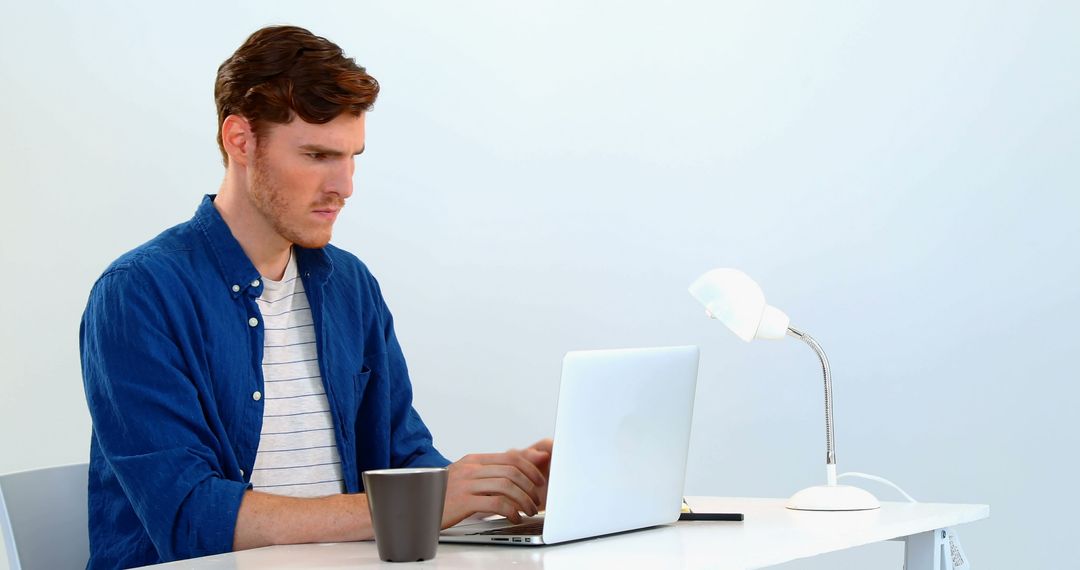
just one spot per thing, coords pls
(924, 551)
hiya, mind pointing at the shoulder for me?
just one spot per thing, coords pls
(164, 257)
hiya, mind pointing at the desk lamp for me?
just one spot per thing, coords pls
(733, 298)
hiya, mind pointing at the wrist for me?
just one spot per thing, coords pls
(361, 516)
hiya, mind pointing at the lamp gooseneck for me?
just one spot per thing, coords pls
(830, 441)
(733, 298)
(828, 497)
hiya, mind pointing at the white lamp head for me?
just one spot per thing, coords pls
(733, 298)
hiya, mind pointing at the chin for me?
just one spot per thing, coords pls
(310, 241)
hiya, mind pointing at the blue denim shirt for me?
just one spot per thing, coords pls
(172, 344)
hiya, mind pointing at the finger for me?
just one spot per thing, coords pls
(506, 488)
(545, 444)
(498, 504)
(461, 505)
(540, 459)
(510, 474)
(514, 458)
(526, 466)
(462, 475)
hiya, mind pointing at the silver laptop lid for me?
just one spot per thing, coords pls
(622, 432)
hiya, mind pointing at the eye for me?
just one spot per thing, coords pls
(316, 155)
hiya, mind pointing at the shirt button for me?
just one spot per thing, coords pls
(256, 396)
(241, 472)
(235, 288)
(255, 283)
(253, 322)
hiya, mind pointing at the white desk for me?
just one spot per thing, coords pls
(771, 534)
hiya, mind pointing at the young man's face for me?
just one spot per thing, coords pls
(302, 176)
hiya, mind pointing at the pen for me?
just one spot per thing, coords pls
(711, 517)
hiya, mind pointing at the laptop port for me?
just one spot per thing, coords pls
(516, 539)
(500, 538)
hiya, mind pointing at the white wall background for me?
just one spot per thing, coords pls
(901, 178)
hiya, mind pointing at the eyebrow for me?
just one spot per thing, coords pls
(328, 151)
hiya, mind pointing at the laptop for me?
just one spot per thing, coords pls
(622, 432)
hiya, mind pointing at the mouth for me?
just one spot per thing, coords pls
(326, 214)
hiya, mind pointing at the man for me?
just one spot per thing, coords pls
(240, 371)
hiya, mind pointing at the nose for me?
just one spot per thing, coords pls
(341, 181)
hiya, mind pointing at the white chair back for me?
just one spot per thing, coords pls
(43, 518)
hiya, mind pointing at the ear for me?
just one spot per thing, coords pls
(238, 140)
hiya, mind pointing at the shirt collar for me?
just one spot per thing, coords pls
(313, 263)
(239, 273)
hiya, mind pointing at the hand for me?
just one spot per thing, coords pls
(504, 483)
(539, 454)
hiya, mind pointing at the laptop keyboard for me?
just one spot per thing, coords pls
(535, 528)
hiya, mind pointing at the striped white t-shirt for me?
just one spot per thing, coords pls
(297, 453)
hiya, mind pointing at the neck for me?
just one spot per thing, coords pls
(267, 250)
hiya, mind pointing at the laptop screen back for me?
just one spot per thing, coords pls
(622, 432)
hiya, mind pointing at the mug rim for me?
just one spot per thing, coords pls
(405, 470)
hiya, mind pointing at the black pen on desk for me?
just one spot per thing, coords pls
(735, 517)
(688, 514)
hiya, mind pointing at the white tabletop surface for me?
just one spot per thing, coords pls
(771, 534)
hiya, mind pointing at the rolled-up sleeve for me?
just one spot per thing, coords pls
(411, 444)
(150, 421)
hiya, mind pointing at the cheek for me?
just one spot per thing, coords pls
(302, 183)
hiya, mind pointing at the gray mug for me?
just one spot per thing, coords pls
(406, 511)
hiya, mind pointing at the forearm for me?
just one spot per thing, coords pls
(266, 519)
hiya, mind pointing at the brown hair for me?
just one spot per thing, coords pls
(285, 71)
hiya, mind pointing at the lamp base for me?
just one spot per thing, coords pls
(833, 498)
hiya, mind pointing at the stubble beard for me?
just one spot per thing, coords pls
(272, 201)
